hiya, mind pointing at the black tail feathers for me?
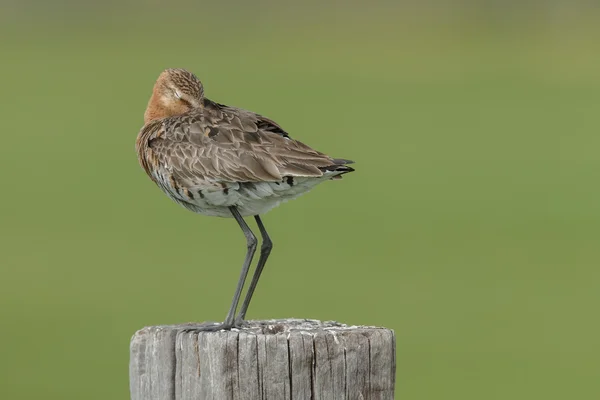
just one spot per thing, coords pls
(339, 164)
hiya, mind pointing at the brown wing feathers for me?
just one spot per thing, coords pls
(229, 144)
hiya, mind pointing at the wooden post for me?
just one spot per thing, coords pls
(276, 359)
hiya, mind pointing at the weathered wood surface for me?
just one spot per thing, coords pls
(276, 359)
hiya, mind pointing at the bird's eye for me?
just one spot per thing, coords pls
(177, 94)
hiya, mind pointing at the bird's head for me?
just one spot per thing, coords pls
(175, 92)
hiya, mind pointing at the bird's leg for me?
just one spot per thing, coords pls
(230, 321)
(265, 250)
(251, 243)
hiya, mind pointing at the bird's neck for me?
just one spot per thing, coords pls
(155, 109)
(161, 106)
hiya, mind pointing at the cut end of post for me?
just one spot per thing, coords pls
(282, 359)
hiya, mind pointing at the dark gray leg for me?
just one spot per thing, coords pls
(251, 241)
(265, 250)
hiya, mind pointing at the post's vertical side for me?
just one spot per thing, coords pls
(250, 386)
(187, 366)
(301, 353)
(382, 376)
(274, 367)
(152, 364)
(357, 366)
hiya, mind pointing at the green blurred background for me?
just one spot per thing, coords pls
(471, 226)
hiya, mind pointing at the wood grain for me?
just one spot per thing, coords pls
(275, 359)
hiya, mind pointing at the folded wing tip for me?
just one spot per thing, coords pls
(342, 161)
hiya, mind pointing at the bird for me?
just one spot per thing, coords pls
(223, 161)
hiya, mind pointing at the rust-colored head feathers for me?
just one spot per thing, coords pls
(175, 92)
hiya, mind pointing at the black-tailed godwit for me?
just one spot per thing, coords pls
(223, 161)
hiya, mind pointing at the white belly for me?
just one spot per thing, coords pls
(254, 198)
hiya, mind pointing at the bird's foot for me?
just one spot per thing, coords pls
(240, 322)
(214, 326)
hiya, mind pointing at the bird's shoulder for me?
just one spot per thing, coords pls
(247, 120)
(220, 125)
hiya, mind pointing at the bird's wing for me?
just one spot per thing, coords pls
(224, 144)
(263, 123)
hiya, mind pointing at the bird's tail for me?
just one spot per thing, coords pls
(339, 167)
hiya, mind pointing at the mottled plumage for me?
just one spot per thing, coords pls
(224, 161)
(214, 156)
